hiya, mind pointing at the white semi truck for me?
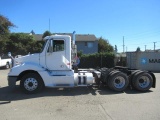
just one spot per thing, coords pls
(53, 68)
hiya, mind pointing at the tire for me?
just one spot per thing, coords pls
(118, 81)
(142, 81)
(31, 83)
(7, 66)
(131, 77)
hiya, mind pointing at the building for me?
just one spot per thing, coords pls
(87, 43)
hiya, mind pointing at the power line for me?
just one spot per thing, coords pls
(142, 43)
(147, 45)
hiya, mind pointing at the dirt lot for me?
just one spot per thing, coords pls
(85, 103)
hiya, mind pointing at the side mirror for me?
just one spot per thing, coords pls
(51, 46)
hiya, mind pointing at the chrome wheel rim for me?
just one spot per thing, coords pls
(30, 84)
(119, 82)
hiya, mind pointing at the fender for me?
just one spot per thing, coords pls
(18, 69)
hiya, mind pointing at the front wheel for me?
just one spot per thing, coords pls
(31, 83)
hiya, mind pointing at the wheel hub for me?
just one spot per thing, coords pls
(119, 82)
(144, 81)
(141, 81)
(30, 84)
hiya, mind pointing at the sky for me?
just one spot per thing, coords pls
(137, 22)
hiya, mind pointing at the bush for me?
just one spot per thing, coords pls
(97, 60)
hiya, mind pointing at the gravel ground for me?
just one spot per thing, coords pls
(83, 103)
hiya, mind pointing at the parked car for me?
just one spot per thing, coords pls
(5, 61)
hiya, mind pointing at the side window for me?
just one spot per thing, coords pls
(4, 56)
(58, 45)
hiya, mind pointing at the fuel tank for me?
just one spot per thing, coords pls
(83, 78)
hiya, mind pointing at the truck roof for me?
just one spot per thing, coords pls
(55, 36)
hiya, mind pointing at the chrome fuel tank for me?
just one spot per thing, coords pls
(83, 78)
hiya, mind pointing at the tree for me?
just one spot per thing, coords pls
(22, 43)
(115, 49)
(32, 32)
(138, 49)
(46, 33)
(104, 46)
(79, 53)
(5, 25)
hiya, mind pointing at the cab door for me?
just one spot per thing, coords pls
(55, 55)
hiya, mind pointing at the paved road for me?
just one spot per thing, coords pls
(87, 103)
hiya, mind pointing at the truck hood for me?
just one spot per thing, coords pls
(34, 58)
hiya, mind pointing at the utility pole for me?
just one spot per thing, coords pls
(145, 47)
(154, 45)
(123, 44)
(49, 24)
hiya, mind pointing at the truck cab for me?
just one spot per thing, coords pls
(51, 68)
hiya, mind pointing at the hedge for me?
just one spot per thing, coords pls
(97, 60)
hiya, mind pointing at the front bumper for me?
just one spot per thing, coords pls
(12, 81)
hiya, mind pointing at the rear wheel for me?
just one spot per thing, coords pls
(142, 81)
(118, 81)
(31, 83)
